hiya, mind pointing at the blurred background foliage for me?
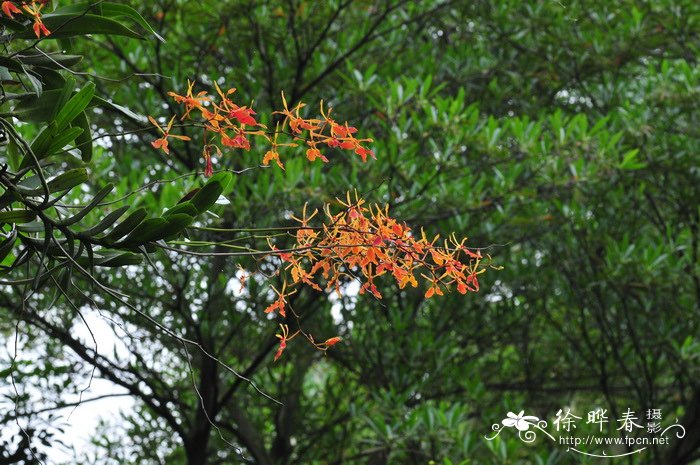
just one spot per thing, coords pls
(560, 135)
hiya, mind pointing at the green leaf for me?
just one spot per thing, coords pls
(11, 24)
(52, 60)
(72, 25)
(7, 243)
(111, 258)
(210, 192)
(150, 229)
(32, 227)
(40, 145)
(63, 182)
(106, 222)
(51, 78)
(155, 229)
(121, 259)
(64, 96)
(184, 207)
(112, 10)
(66, 43)
(35, 82)
(84, 141)
(62, 140)
(14, 156)
(68, 180)
(35, 109)
(629, 161)
(6, 77)
(17, 216)
(101, 194)
(98, 101)
(11, 64)
(120, 10)
(177, 222)
(75, 106)
(126, 226)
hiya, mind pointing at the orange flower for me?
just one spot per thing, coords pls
(361, 243)
(10, 9)
(214, 120)
(461, 288)
(239, 141)
(270, 156)
(313, 153)
(432, 291)
(273, 153)
(285, 257)
(226, 103)
(332, 341)
(162, 143)
(40, 29)
(279, 304)
(364, 243)
(363, 152)
(206, 153)
(342, 131)
(243, 115)
(325, 345)
(297, 123)
(190, 101)
(284, 337)
(34, 10)
(226, 122)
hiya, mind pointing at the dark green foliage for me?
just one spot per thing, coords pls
(561, 136)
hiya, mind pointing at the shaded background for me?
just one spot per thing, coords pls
(562, 135)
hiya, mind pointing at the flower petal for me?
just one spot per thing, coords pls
(522, 425)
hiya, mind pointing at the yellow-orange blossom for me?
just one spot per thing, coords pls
(355, 242)
(363, 243)
(228, 125)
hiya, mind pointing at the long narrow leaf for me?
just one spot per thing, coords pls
(101, 194)
(106, 222)
(75, 106)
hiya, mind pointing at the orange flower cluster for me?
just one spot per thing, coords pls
(32, 9)
(364, 243)
(325, 131)
(228, 125)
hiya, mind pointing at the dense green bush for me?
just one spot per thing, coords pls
(561, 136)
